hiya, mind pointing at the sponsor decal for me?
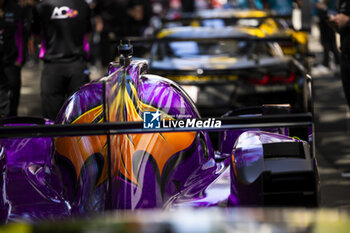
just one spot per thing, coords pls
(64, 12)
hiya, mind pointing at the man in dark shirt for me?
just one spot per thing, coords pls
(120, 18)
(4, 101)
(63, 26)
(342, 23)
(11, 42)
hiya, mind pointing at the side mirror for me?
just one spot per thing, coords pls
(248, 158)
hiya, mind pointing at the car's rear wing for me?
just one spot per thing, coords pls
(107, 128)
(148, 42)
(228, 18)
(277, 37)
(213, 76)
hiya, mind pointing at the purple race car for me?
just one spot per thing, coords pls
(157, 165)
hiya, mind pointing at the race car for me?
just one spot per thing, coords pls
(218, 17)
(118, 143)
(230, 67)
(269, 22)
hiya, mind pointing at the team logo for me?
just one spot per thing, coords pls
(64, 12)
(151, 120)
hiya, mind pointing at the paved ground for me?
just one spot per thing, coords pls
(332, 137)
(332, 131)
(30, 92)
(332, 126)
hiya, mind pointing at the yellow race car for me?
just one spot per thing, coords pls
(229, 67)
(268, 22)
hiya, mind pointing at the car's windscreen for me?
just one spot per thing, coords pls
(185, 49)
(246, 4)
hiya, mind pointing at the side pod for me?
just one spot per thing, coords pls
(272, 170)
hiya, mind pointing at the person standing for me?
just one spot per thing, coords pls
(139, 13)
(188, 6)
(118, 19)
(341, 23)
(4, 100)
(11, 44)
(327, 35)
(111, 22)
(64, 27)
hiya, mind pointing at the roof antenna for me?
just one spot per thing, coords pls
(125, 53)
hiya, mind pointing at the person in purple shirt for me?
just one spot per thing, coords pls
(11, 56)
(64, 26)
